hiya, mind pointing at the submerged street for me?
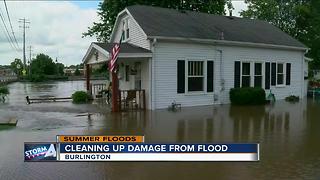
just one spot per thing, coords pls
(288, 135)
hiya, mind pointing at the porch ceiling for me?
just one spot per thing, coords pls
(127, 51)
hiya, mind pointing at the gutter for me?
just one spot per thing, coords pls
(152, 96)
(230, 43)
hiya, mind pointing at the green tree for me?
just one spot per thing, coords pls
(300, 19)
(17, 66)
(281, 13)
(109, 9)
(77, 72)
(43, 65)
(59, 68)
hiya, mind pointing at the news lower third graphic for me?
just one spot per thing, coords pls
(133, 148)
(40, 152)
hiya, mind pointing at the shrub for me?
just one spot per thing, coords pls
(4, 90)
(247, 96)
(80, 97)
(292, 98)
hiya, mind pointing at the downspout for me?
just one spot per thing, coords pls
(153, 43)
(222, 81)
(303, 89)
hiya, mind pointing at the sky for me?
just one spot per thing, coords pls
(55, 28)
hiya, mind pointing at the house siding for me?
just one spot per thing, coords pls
(165, 74)
(165, 59)
(136, 34)
(232, 54)
(93, 60)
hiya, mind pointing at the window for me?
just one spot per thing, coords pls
(280, 74)
(195, 76)
(257, 74)
(96, 54)
(127, 72)
(245, 75)
(125, 29)
(123, 36)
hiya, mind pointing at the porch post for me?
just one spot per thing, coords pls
(88, 77)
(115, 92)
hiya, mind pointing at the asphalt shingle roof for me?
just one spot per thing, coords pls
(156, 21)
(125, 48)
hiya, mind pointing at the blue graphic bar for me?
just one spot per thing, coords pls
(156, 148)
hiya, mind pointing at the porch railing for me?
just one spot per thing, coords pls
(132, 100)
(97, 89)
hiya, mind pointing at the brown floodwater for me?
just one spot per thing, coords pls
(288, 134)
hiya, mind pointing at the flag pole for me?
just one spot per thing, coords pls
(115, 91)
(115, 81)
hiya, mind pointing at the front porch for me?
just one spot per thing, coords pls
(132, 74)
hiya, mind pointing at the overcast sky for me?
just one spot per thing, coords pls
(55, 28)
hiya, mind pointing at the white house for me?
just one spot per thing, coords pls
(195, 58)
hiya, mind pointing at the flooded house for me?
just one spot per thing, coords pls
(194, 59)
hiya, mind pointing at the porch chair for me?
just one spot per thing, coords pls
(130, 99)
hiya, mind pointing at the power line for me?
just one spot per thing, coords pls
(14, 37)
(9, 38)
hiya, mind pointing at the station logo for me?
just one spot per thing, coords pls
(40, 152)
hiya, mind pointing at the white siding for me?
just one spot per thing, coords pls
(231, 54)
(136, 35)
(165, 74)
(165, 71)
(101, 58)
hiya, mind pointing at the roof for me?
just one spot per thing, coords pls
(125, 48)
(127, 51)
(163, 22)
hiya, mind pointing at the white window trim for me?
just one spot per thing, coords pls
(252, 75)
(284, 74)
(204, 91)
(262, 73)
(123, 29)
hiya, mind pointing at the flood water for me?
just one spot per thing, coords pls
(289, 136)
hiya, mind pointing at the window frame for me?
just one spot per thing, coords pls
(203, 76)
(261, 75)
(241, 72)
(125, 29)
(283, 74)
(252, 72)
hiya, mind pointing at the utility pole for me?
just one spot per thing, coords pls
(24, 21)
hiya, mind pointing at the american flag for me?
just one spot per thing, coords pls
(114, 56)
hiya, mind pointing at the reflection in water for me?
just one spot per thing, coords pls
(288, 135)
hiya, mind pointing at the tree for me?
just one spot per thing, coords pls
(60, 68)
(77, 72)
(298, 18)
(43, 65)
(281, 13)
(109, 9)
(17, 66)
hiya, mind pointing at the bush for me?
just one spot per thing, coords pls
(80, 97)
(4, 90)
(247, 96)
(292, 98)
